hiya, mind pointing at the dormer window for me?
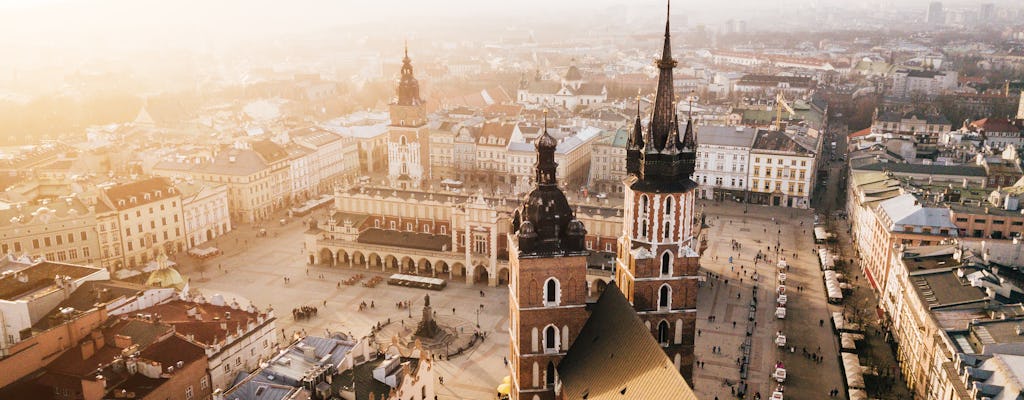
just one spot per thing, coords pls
(145, 196)
(132, 200)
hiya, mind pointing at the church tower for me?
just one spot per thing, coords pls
(547, 293)
(408, 143)
(657, 253)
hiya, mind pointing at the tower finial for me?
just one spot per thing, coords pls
(690, 99)
(545, 120)
(668, 15)
(406, 48)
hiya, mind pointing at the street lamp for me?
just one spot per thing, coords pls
(478, 316)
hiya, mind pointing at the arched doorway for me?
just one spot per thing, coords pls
(373, 260)
(408, 265)
(459, 271)
(342, 257)
(326, 257)
(358, 258)
(209, 234)
(423, 266)
(440, 267)
(503, 276)
(480, 274)
(390, 262)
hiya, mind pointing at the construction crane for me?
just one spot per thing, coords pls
(780, 102)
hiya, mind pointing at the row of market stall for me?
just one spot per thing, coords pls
(850, 334)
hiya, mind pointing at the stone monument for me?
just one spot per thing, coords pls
(427, 327)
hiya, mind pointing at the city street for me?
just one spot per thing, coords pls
(759, 230)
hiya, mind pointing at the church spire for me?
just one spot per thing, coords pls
(636, 138)
(408, 87)
(546, 165)
(661, 118)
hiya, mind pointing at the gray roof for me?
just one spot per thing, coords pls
(906, 211)
(928, 169)
(717, 135)
(942, 288)
(615, 357)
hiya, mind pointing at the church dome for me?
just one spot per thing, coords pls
(166, 277)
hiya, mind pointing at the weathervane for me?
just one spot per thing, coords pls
(691, 99)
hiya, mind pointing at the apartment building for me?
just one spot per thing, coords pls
(58, 229)
(723, 155)
(782, 169)
(148, 217)
(258, 176)
(205, 210)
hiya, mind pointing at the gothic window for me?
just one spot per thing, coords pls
(668, 205)
(643, 229)
(549, 377)
(666, 263)
(551, 339)
(668, 230)
(643, 204)
(665, 296)
(552, 292)
(663, 333)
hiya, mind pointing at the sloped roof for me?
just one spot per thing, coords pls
(573, 74)
(139, 189)
(718, 135)
(615, 357)
(778, 141)
(906, 210)
(996, 125)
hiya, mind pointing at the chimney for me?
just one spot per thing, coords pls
(97, 337)
(88, 349)
(122, 341)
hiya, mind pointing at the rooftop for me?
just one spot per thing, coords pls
(771, 140)
(415, 240)
(615, 357)
(942, 288)
(140, 192)
(716, 135)
(41, 276)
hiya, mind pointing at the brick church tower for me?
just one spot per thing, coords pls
(658, 251)
(547, 293)
(408, 144)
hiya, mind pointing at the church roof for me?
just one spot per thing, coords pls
(616, 357)
(573, 74)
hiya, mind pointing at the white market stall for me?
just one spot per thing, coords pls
(854, 372)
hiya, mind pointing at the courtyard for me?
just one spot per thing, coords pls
(253, 269)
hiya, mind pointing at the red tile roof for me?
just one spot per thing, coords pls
(214, 325)
(995, 125)
(862, 132)
(139, 189)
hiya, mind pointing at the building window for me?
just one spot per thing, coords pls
(552, 292)
(204, 383)
(665, 296)
(663, 333)
(393, 225)
(668, 205)
(551, 339)
(188, 393)
(666, 263)
(444, 230)
(668, 230)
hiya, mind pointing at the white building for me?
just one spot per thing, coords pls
(148, 217)
(930, 83)
(205, 209)
(569, 93)
(303, 172)
(723, 154)
(782, 168)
